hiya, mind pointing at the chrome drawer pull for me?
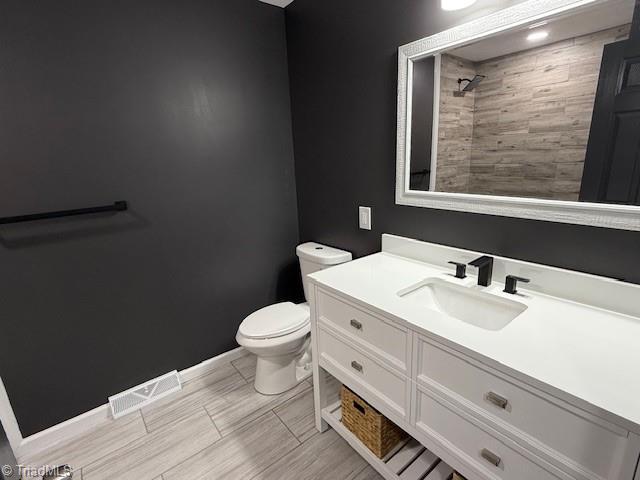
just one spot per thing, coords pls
(356, 324)
(356, 366)
(497, 400)
(491, 457)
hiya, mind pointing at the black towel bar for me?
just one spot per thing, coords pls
(116, 207)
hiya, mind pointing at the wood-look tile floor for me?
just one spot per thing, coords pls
(217, 427)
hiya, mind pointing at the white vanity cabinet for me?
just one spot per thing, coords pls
(483, 422)
(382, 338)
(581, 444)
(366, 351)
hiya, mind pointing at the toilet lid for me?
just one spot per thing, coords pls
(275, 320)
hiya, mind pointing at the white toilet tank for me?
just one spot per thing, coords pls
(314, 257)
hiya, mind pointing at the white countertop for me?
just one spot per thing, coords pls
(590, 353)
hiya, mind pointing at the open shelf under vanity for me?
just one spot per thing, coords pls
(409, 460)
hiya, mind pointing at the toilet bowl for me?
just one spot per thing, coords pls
(280, 334)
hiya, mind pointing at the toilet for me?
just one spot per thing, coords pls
(279, 335)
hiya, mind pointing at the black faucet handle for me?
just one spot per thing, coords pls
(461, 269)
(511, 283)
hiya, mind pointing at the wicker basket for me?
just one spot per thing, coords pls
(373, 429)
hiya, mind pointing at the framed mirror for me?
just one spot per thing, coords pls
(531, 112)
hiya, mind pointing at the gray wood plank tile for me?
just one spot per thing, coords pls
(193, 396)
(298, 415)
(368, 473)
(325, 456)
(243, 405)
(150, 456)
(94, 444)
(241, 455)
(185, 443)
(246, 366)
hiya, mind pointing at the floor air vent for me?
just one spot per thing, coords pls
(142, 395)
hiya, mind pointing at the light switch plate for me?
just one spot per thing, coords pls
(364, 215)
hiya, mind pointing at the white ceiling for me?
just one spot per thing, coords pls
(278, 3)
(602, 17)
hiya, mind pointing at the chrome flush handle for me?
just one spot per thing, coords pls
(491, 457)
(498, 400)
(356, 324)
(356, 366)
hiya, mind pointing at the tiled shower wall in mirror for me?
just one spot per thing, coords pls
(523, 131)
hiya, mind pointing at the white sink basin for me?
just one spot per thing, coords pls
(466, 304)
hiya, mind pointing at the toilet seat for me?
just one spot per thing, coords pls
(275, 321)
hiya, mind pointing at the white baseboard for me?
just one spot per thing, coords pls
(38, 442)
(211, 364)
(8, 419)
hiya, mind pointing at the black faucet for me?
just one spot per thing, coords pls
(485, 269)
(461, 269)
(511, 283)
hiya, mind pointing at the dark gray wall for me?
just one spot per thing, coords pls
(343, 74)
(182, 109)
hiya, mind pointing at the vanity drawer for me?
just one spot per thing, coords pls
(592, 443)
(388, 341)
(487, 455)
(391, 388)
